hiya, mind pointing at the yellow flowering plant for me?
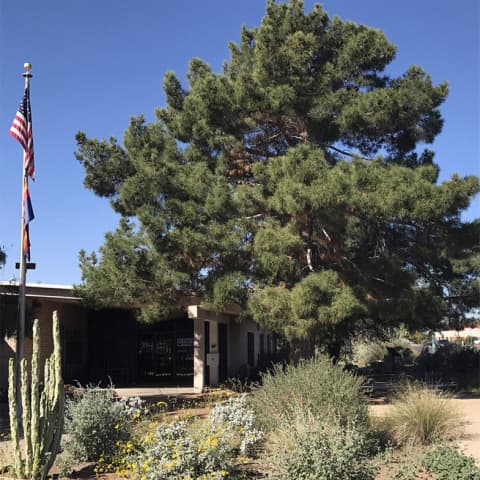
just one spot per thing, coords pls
(176, 451)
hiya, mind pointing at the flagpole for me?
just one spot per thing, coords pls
(23, 264)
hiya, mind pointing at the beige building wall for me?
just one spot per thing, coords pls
(73, 326)
(452, 335)
(7, 351)
(237, 345)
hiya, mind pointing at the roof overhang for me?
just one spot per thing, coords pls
(45, 291)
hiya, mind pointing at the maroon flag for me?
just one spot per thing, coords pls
(28, 217)
(21, 129)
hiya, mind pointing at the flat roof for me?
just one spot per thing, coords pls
(15, 283)
(65, 293)
(42, 290)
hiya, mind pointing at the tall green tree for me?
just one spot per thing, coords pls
(292, 184)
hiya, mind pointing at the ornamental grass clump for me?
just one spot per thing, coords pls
(422, 416)
(317, 386)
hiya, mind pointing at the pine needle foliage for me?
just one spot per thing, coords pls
(291, 183)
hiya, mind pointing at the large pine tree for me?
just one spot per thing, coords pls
(291, 184)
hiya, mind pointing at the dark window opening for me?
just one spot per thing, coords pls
(206, 331)
(73, 352)
(222, 352)
(251, 349)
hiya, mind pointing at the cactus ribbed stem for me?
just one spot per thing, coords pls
(13, 412)
(57, 395)
(35, 402)
(26, 417)
(42, 411)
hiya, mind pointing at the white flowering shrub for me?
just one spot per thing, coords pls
(236, 421)
(174, 453)
(134, 407)
(94, 422)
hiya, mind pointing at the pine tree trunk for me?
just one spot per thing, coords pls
(300, 350)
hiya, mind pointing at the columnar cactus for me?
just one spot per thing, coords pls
(42, 411)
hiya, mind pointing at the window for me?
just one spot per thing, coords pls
(73, 352)
(251, 349)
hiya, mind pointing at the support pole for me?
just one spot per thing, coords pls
(23, 266)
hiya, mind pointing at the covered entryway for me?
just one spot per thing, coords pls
(130, 353)
(165, 353)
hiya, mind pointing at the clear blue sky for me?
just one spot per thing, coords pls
(96, 63)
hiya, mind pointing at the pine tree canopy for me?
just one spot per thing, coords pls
(292, 183)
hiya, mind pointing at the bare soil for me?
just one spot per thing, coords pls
(469, 407)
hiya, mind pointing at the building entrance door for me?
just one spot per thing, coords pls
(222, 352)
(165, 353)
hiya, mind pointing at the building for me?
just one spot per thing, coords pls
(459, 335)
(198, 348)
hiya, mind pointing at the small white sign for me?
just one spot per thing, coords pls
(212, 359)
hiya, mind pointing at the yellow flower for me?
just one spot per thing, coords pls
(172, 464)
(149, 438)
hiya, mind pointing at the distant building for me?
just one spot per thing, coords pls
(458, 335)
(198, 348)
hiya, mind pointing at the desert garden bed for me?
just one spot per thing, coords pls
(308, 421)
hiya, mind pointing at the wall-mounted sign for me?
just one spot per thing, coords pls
(185, 342)
(212, 359)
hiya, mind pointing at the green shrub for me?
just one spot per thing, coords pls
(449, 463)
(177, 451)
(452, 361)
(422, 416)
(207, 449)
(317, 386)
(95, 421)
(311, 449)
(364, 353)
(235, 422)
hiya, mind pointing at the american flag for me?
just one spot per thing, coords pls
(21, 129)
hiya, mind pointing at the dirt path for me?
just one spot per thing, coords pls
(470, 408)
